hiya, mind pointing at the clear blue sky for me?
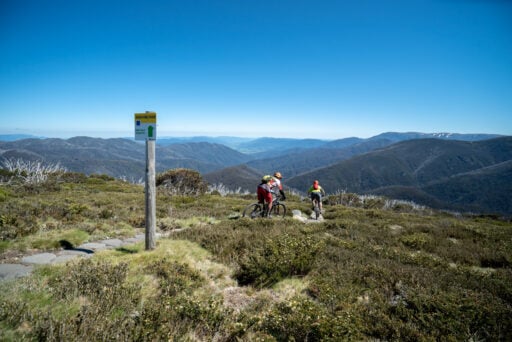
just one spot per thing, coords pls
(303, 69)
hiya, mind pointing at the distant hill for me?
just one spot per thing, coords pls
(14, 137)
(295, 163)
(424, 171)
(259, 147)
(398, 136)
(295, 156)
(119, 157)
(457, 171)
(207, 152)
(487, 189)
(342, 143)
(276, 145)
(232, 142)
(234, 177)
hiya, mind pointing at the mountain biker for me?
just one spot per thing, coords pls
(316, 192)
(276, 183)
(264, 192)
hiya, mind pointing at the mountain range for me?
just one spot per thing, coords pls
(120, 157)
(456, 175)
(464, 172)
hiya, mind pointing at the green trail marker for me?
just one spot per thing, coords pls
(145, 126)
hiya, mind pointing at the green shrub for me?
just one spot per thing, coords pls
(14, 226)
(73, 177)
(343, 198)
(6, 175)
(103, 177)
(301, 319)
(282, 257)
(4, 194)
(98, 281)
(181, 182)
(4, 245)
(106, 213)
(417, 240)
(174, 277)
(437, 315)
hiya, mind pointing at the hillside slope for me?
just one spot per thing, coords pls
(270, 145)
(119, 157)
(234, 177)
(292, 164)
(424, 166)
(486, 189)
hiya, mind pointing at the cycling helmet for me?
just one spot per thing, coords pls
(266, 178)
(278, 175)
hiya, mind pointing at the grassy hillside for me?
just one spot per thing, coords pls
(375, 269)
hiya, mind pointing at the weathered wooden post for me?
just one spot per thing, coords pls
(145, 129)
(150, 195)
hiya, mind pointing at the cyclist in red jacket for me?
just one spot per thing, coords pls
(264, 192)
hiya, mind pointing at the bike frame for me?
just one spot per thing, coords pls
(279, 209)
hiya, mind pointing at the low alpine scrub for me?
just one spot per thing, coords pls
(372, 270)
(283, 257)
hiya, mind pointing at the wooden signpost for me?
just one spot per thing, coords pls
(145, 129)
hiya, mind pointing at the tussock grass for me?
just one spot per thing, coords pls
(370, 271)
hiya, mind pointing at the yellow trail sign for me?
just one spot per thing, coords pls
(145, 126)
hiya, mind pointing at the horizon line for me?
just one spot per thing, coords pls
(132, 137)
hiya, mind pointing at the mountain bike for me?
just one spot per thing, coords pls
(316, 208)
(255, 210)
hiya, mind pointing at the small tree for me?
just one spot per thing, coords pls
(181, 182)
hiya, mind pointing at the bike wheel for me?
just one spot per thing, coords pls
(253, 210)
(279, 210)
(317, 212)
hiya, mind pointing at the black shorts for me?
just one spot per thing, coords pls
(317, 196)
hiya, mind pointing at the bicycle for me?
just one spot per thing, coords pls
(255, 210)
(316, 208)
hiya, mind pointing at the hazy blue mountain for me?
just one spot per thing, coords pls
(397, 137)
(120, 157)
(232, 142)
(342, 143)
(268, 155)
(14, 137)
(235, 177)
(305, 160)
(487, 189)
(278, 144)
(425, 170)
(264, 147)
(444, 171)
(213, 153)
